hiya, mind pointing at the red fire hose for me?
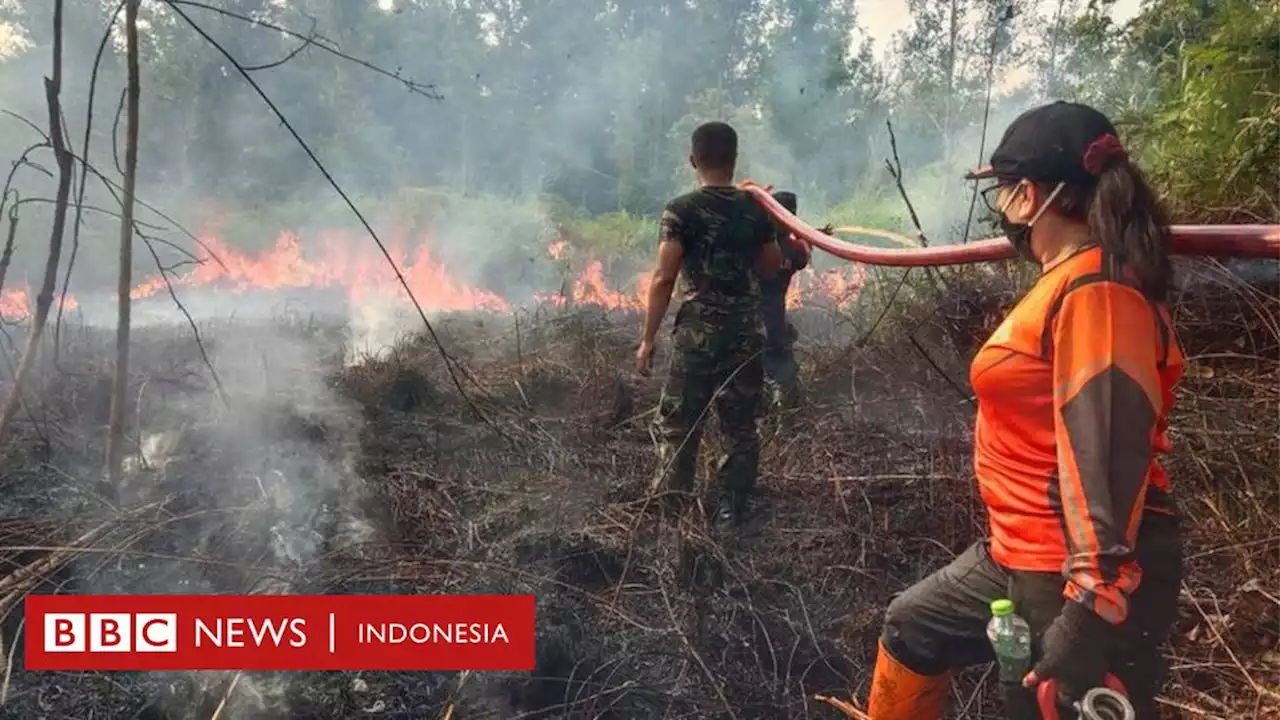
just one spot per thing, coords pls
(1106, 703)
(1243, 241)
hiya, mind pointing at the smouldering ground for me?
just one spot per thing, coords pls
(318, 476)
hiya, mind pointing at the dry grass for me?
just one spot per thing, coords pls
(389, 483)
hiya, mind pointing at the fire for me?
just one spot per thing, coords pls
(591, 289)
(14, 305)
(340, 261)
(837, 287)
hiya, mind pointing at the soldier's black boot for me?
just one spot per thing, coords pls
(771, 397)
(731, 510)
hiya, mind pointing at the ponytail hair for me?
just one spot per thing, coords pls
(1124, 216)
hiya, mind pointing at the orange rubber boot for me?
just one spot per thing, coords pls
(898, 693)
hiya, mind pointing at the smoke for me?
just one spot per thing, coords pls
(534, 122)
(555, 122)
(284, 443)
(519, 131)
(276, 467)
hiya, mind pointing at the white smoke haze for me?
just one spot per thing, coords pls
(491, 228)
(557, 123)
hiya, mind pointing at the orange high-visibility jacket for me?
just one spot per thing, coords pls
(1074, 390)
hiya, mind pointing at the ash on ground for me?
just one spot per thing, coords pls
(308, 473)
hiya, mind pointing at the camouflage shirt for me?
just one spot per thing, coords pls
(721, 231)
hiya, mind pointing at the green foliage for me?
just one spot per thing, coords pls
(1220, 109)
(883, 211)
(561, 124)
(617, 233)
(1196, 88)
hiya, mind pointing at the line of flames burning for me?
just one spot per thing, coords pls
(363, 274)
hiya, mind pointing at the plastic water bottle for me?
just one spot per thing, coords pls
(1010, 637)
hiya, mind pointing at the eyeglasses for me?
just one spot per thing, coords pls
(991, 196)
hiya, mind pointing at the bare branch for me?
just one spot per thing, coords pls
(115, 187)
(306, 43)
(427, 90)
(84, 177)
(986, 110)
(111, 188)
(22, 161)
(895, 169)
(28, 123)
(248, 77)
(120, 384)
(173, 295)
(938, 369)
(53, 87)
(113, 214)
(7, 257)
(115, 131)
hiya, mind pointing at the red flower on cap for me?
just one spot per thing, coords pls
(1101, 152)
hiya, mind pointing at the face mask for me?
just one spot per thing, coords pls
(1020, 234)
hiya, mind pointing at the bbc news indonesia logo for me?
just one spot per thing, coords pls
(279, 632)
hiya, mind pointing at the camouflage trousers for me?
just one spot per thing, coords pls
(714, 365)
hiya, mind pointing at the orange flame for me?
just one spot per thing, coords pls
(14, 305)
(591, 288)
(348, 265)
(838, 287)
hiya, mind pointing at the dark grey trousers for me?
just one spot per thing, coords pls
(780, 335)
(940, 622)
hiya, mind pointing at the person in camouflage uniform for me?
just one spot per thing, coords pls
(718, 242)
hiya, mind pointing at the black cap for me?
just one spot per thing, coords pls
(1048, 144)
(786, 199)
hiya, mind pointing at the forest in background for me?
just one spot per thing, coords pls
(509, 452)
(532, 120)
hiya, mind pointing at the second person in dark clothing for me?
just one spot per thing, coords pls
(718, 242)
(780, 335)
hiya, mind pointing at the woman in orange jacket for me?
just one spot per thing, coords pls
(1074, 390)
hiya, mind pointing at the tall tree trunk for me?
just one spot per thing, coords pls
(1051, 77)
(62, 155)
(115, 430)
(951, 85)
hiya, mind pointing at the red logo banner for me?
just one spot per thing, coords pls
(280, 632)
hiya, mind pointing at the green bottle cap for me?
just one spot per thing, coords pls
(1001, 607)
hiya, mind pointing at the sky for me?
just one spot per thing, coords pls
(880, 19)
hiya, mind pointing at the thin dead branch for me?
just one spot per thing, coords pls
(992, 51)
(306, 43)
(84, 177)
(191, 322)
(124, 284)
(7, 257)
(425, 89)
(53, 87)
(895, 170)
(450, 363)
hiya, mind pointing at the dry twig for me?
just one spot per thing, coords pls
(53, 87)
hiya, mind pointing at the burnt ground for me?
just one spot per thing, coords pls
(315, 477)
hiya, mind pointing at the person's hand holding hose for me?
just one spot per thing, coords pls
(1073, 652)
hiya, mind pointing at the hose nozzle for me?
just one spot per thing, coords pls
(1106, 704)
(1100, 703)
